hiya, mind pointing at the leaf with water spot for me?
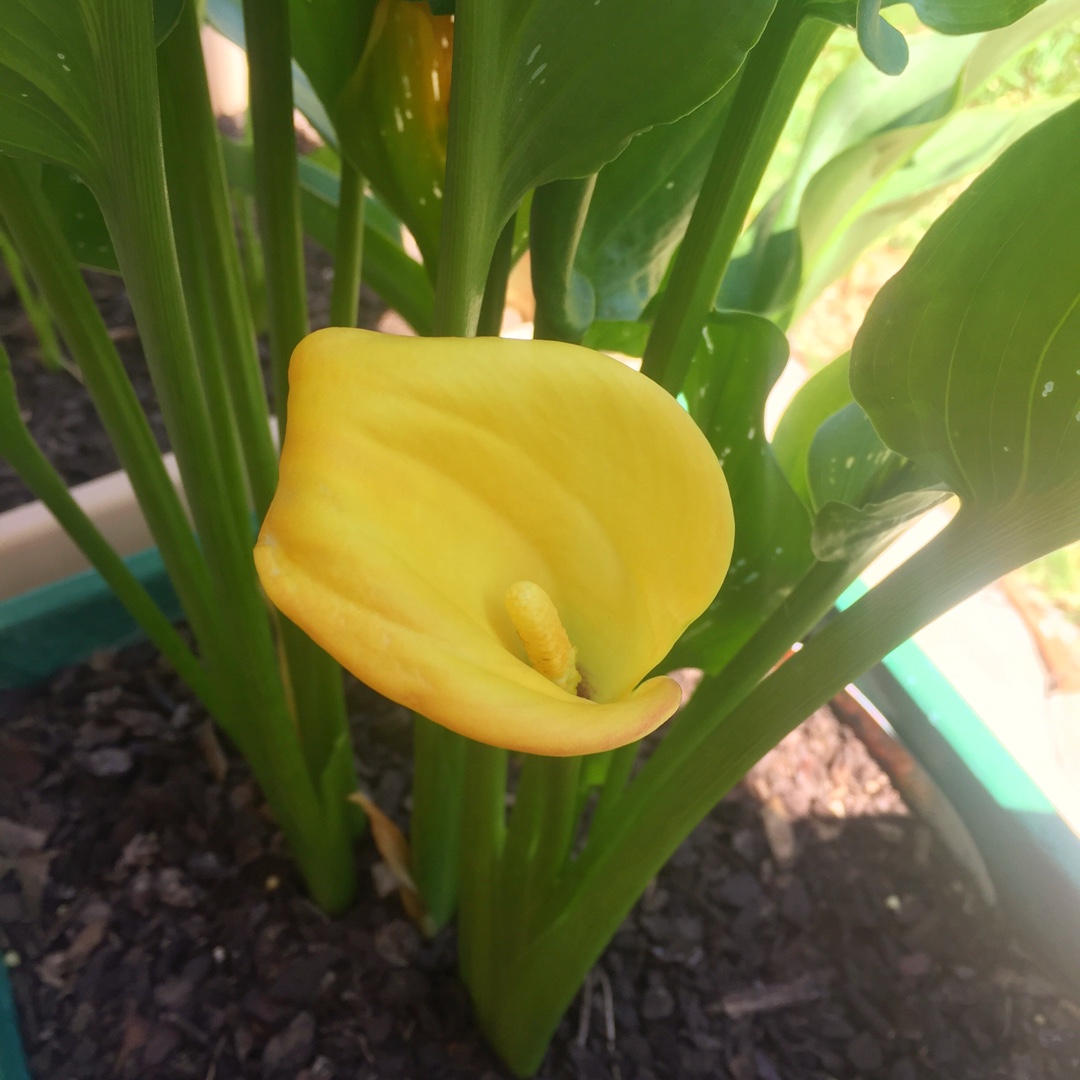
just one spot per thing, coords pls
(739, 361)
(968, 360)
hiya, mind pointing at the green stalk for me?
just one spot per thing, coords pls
(483, 825)
(37, 234)
(661, 810)
(565, 303)
(538, 843)
(618, 775)
(135, 205)
(22, 453)
(435, 832)
(313, 680)
(199, 199)
(469, 224)
(348, 247)
(36, 311)
(770, 82)
(277, 198)
(489, 323)
(465, 254)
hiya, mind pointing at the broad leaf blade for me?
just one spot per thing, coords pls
(967, 361)
(740, 360)
(639, 210)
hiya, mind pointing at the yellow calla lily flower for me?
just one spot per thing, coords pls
(505, 536)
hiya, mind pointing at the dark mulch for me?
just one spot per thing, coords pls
(56, 404)
(810, 927)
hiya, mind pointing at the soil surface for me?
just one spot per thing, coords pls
(154, 927)
(57, 406)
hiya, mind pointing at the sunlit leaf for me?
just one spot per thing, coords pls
(740, 360)
(967, 362)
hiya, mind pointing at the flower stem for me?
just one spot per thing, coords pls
(768, 86)
(348, 247)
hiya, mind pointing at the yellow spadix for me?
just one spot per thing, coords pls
(506, 536)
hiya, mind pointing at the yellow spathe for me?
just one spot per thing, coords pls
(421, 478)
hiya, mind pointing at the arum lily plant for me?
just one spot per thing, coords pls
(519, 540)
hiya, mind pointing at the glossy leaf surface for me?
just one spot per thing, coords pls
(740, 360)
(394, 115)
(642, 202)
(967, 361)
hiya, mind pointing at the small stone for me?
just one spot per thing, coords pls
(175, 890)
(864, 1052)
(160, 1044)
(914, 965)
(290, 1050)
(740, 890)
(397, 942)
(109, 762)
(657, 1004)
(173, 993)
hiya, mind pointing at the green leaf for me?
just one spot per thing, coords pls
(884, 46)
(166, 16)
(622, 337)
(642, 202)
(327, 38)
(967, 362)
(818, 398)
(861, 492)
(877, 149)
(395, 113)
(80, 218)
(970, 16)
(968, 142)
(740, 359)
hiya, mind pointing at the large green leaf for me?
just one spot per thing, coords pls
(576, 81)
(642, 202)
(877, 149)
(832, 240)
(740, 359)
(51, 93)
(968, 360)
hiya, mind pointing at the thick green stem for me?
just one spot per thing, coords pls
(469, 226)
(348, 247)
(313, 679)
(36, 311)
(483, 831)
(277, 198)
(199, 199)
(620, 767)
(565, 303)
(134, 201)
(538, 843)
(491, 310)
(768, 86)
(435, 832)
(37, 234)
(662, 808)
(22, 453)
